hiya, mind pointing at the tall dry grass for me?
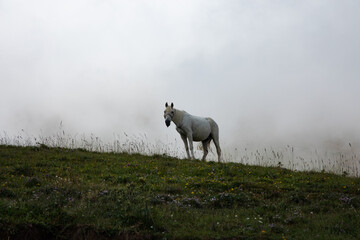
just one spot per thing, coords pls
(340, 160)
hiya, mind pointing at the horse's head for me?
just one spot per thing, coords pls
(169, 113)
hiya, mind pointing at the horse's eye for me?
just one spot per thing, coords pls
(172, 112)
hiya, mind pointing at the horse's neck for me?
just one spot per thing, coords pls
(178, 117)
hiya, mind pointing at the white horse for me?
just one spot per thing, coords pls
(193, 128)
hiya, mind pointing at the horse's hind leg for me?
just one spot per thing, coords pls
(215, 137)
(218, 149)
(205, 144)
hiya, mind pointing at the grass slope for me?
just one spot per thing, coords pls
(53, 193)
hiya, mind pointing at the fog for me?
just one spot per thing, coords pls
(271, 73)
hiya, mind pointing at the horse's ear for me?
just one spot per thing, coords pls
(166, 104)
(172, 105)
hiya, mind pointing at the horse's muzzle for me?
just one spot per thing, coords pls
(167, 122)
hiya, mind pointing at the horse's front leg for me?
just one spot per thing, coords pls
(189, 136)
(184, 138)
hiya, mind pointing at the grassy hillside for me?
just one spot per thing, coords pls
(52, 193)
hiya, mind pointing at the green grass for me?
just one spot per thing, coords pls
(56, 193)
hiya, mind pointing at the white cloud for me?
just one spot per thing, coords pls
(264, 70)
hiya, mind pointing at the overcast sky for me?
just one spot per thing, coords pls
(266, 71)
